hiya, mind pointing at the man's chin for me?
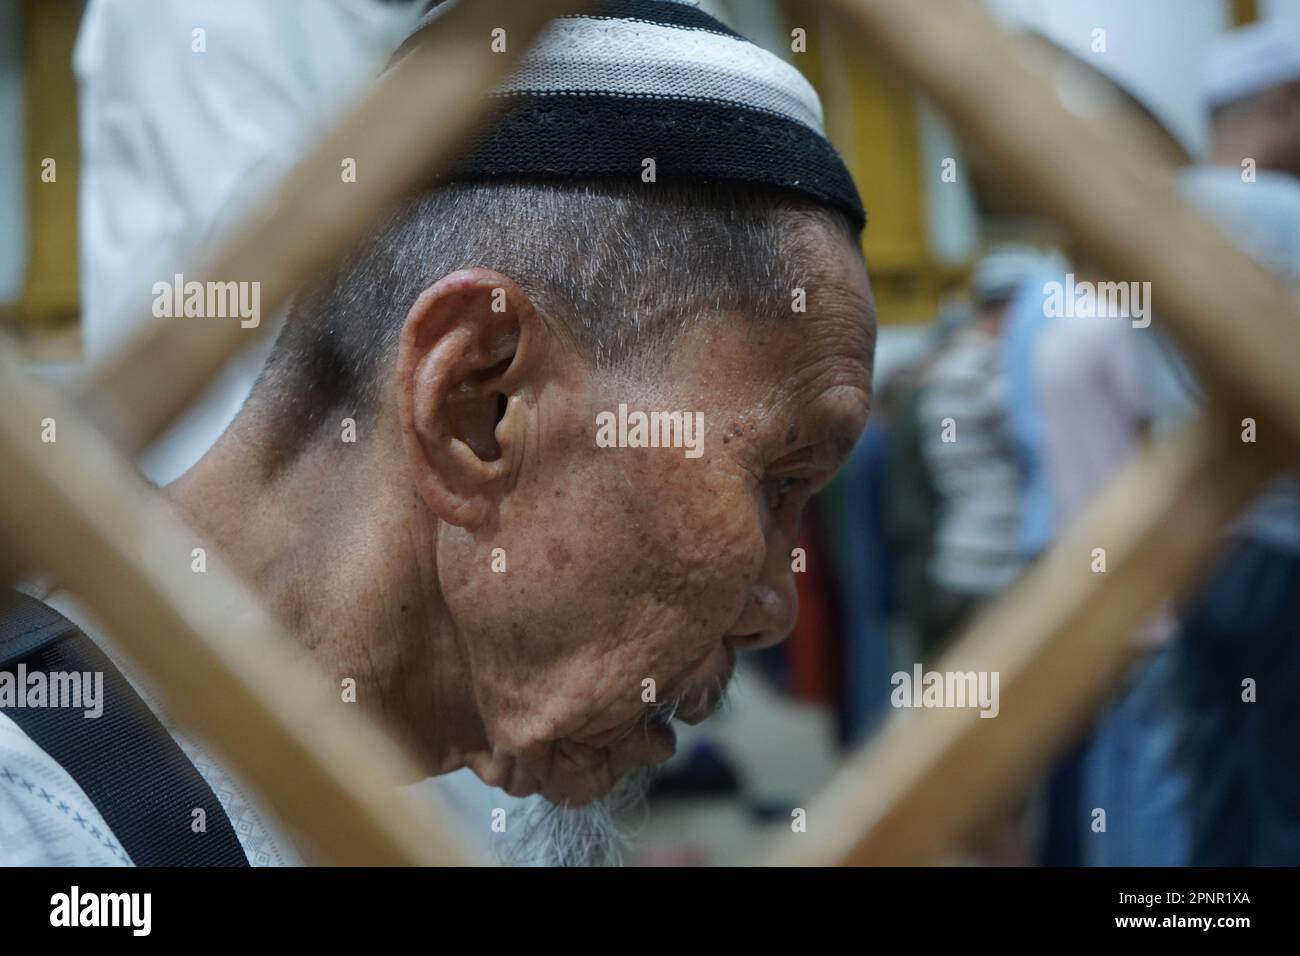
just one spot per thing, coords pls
(595, 833)
(653, 745)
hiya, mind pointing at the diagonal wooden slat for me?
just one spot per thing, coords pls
(75, 508)
(930, 778)
(411, 121)
(1236, 320)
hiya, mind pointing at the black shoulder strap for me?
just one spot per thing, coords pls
(128, 765)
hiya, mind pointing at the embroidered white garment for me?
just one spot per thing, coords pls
(47, 820)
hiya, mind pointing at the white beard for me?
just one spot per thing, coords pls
(593, 835)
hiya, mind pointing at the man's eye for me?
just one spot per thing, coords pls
(783, 490)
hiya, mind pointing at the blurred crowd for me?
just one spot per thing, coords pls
(1025, 399)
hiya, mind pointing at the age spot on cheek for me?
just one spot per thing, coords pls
(559, 556)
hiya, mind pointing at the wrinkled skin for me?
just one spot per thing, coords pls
(649, 564)
(622, 564)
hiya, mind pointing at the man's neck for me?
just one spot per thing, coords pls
(351, 571)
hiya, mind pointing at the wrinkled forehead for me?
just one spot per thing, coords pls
(777, 366)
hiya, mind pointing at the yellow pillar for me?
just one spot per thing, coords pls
(871, 117)
(49, 301)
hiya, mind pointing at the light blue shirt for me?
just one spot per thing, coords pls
(1024, 324)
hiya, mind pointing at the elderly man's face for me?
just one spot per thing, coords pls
(630, 565)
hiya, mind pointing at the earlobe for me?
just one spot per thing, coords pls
(465, 352)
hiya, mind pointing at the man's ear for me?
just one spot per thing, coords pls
(468, 346)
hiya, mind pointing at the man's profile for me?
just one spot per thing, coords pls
(500, 585)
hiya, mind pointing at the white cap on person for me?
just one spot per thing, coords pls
(1249, 60)
(1000, 272)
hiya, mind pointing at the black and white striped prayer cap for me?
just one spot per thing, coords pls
(626, 80)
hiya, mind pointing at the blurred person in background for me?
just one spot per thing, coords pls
(963, 411)
(188, 109)
(1022, 334)
(1088, 377)
(1187, 770)
(1239, 629)
(911, 501)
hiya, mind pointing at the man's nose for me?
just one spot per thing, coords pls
(768, 617)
